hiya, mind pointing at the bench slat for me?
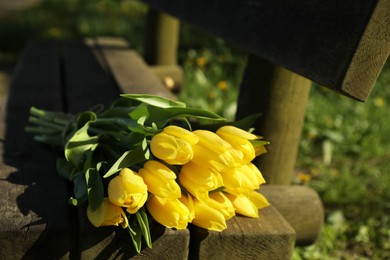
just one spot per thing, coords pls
(268, 237)
(34, 214)
(317, 40)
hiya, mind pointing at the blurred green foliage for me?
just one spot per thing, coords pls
(344, 151)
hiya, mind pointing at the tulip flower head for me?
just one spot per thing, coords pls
(199, 180)
(160, 180)
(239, 140)
(128, 190)
(107, 214)
(171, 213)
(174, 145)
(212, 151)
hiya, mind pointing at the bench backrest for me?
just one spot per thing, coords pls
(339, 44)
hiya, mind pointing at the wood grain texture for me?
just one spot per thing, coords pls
(371, 54)
(268, 237)
(34, 214)
(315, 39)
(280, 96)
(301, 207)
(127, 68)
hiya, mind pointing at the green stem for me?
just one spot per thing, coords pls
(41, 122)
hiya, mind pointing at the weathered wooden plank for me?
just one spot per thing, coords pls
(128, 69)
(316, 39)
(34, 214)
(79, 61)
(86, 83)
(268, 237)
(301, 207)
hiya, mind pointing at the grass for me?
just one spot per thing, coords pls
(344, 147)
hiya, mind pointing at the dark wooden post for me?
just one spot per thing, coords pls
(281, 97)
(161, 38)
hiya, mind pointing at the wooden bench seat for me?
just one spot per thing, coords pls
(35, 219)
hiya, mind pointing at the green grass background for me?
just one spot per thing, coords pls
(344, 151)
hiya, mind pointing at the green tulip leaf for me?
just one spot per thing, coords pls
(64, 168)
(154, 100)
(143, 222)
(128, 159)
(84, 118)
(136, 236)
(80, 190)
(94, 187)
(78, 144)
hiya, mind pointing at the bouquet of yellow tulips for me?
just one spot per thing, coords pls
(146, 158)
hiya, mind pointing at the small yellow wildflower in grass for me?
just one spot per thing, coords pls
(201, 61)
(379, 102)
(222, 85)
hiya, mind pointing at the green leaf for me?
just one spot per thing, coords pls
(80, 190)
(143, 222)
(129, 158)
(64, 168)
(245, 124)
(78, 144)
(154, 100)
(136, 236)
(84, 118)
(95, 188)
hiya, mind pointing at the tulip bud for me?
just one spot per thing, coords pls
(174, 145)
(222, 204)
(128, 190)
(240, 179)
(187, 200)
(213, 152)
(248, 205)
(160, 180)
(107, 214)
(208, 217)
(170, 213)
(239, 140)
(199, 180)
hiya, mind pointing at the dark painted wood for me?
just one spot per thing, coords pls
(316, 39)
(34, 214)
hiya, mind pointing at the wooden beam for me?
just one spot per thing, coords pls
(280, 96)
(263, 238)
(317, 40)
(301, 207)
(161, 38)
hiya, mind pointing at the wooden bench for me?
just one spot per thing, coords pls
(35, 220)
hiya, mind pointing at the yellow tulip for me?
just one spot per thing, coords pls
(160, 180)
(208, 217)
(222, 203)
(174, 145)
(240, 179)
(107, 214)
(170, 213)
(187, 200)
(239, 140)
(212, 151)
(248, 205)
(199, 180)
(128, 190)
